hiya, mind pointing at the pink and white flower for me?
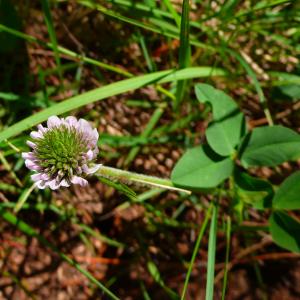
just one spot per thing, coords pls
(62, 153)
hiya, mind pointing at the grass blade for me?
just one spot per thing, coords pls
(209, 295)
(23, 198)
(173, 12)
(65, 51)
(195, 251)
(228, 232)
(256, 84)
(29, 231)
(109, 90)
(184, 50)
(154, 272)
(139, 24)
(51, 31)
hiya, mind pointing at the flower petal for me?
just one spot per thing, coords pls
(36, 177)
(44, 176)
(41, 128)
(93, 169)
(96, 134)
(36, 135)
(53, 121)
(31, 144)
(79, 180)
(32, 165)
(72, 121)
(85, 128)
(53, 184)
(64, 183)
(28, 155)
(90, 155)
(40, 184)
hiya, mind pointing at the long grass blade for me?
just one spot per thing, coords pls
(23, 198)
(228, 233)
(195, 251)
(52, 35)
(173, 12)
(256, 84)
(209, 295)
(154, 272)
(149, 10)
(184, 49)
(148, 27)
(105, 92)
(65, 51)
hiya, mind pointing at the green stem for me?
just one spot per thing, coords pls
(127, 176)
(211, 254)
(195, 251)
(228, 233)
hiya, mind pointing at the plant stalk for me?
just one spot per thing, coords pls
(127, 176)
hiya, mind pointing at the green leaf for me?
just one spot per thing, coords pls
(109, 90)
(228, 126)
(287, 196)
(224, 136)
(252, 190)
(291, 90)
(9, 96)
(270, 146)
(201, 168)
(285, 231)
(222, 104)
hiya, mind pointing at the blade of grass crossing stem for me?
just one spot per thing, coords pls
(144, 291)
(139, 24)
(51, 31)
(228, 233)
(23, 198)
(79, 57)
(65, 51)
(153, 121)
(173, 12)
(209, 295)
(155, 11)
(149, 61)
(256, 84)
(29, 231)
(9, 169)
(184, 50)
(109, 90)
(154, 272)
(195, 251)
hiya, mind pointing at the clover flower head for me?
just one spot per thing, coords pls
(62, 153)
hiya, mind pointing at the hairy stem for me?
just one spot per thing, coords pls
(127, 176)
